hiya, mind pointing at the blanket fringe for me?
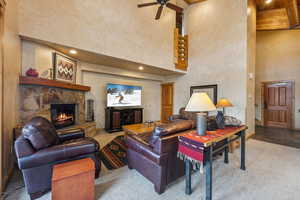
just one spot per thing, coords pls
(195, 163)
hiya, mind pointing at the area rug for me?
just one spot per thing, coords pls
(113, 155)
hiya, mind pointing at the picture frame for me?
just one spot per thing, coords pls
(64, 68)
(211, 90)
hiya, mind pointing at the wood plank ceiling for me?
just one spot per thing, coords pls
(278, 14)
(274, 14)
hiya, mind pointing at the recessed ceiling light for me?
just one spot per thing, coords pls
(73, 51)
(141, 68)
(268, 1)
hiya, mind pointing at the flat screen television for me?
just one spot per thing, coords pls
(123, 95)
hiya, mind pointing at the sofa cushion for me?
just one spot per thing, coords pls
(170, 128)
(40, 132)
(70, 134)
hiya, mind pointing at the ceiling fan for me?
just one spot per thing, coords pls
(162, 3)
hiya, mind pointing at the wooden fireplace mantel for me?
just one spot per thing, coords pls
(24, 80)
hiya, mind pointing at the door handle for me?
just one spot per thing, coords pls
(265, 105)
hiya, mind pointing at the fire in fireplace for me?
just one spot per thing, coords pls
(62, 115)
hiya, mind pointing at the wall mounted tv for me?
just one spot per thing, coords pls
(123, 95)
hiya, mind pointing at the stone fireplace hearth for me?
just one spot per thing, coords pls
(37, 100)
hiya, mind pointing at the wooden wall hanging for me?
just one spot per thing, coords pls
(180, 50)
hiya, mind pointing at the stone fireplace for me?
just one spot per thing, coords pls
(61, 103)
(49, 102)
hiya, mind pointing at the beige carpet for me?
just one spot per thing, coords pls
(273, 173)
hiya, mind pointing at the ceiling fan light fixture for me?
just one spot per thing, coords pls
(162, 4)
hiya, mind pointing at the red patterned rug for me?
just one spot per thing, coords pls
(113, 155)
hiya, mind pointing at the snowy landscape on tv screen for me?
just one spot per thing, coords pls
(123, 95)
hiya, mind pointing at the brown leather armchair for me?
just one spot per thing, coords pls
(40, 147)
(154, 155)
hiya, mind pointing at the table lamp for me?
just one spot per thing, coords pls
(223, 103)
(200, 102)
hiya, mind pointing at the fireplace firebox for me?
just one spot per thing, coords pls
(63, 115)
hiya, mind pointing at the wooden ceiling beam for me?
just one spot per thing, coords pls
(292, 11)
(193, 1)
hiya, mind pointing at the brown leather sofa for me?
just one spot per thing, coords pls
(40, 147)
(154, 155)
(184, 115)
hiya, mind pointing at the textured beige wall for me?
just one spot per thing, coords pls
(278, 59)
(11, 50)
(111, 27)
(251, 53)
(40, 57)
(217, 52)
(97, 76)
(150, 94)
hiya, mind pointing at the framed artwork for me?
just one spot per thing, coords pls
(64, 68)
(210, 90)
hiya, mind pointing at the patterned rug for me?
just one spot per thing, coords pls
(113, 155)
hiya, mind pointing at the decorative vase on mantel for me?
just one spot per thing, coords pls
(32, 72)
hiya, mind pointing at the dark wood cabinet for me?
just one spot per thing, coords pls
(115, 118)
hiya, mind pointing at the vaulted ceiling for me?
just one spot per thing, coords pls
(277, 14)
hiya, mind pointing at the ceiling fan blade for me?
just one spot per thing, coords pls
(147, 4)
(174, 7)
(159, 11)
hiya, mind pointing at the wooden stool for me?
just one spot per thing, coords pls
(74, 180)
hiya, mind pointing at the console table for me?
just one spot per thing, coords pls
(201, 148)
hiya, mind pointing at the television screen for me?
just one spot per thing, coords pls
(123, 95)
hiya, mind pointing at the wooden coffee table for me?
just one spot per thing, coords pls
(136, 129)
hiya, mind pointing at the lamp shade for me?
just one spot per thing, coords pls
(222, 103)
(200, 102)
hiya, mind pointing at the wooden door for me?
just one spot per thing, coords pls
(278, 104)
(167, 93)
